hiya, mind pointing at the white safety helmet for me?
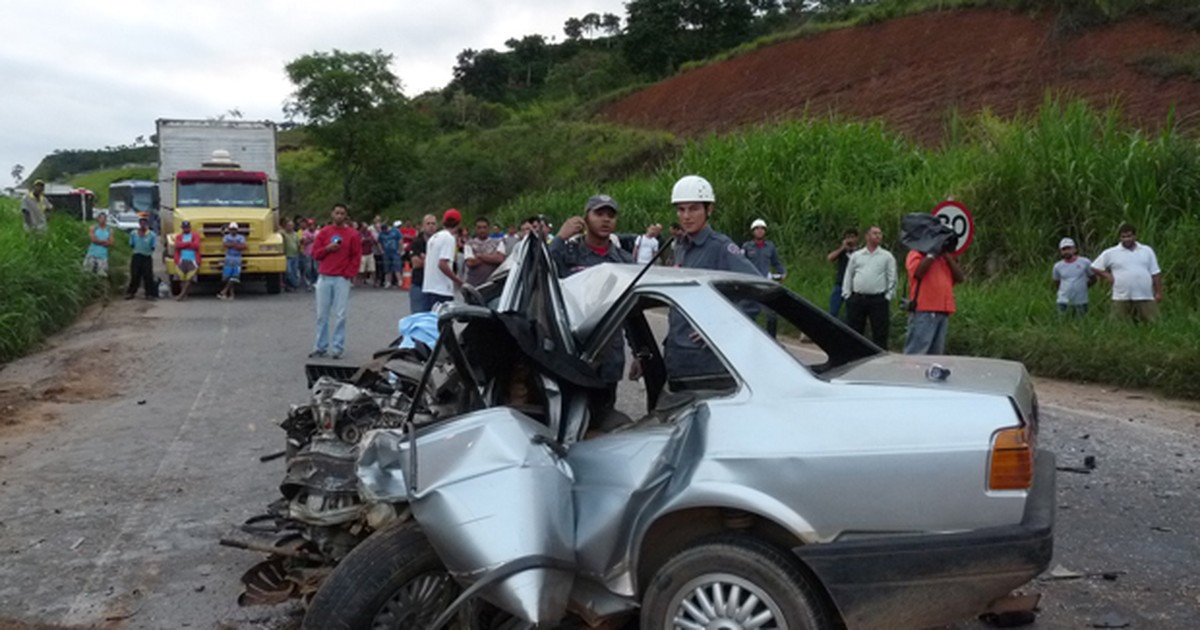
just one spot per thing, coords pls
(691, 188)
(758, 223)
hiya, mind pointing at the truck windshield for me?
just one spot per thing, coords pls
(229, 194)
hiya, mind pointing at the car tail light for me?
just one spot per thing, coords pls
(1012, 459)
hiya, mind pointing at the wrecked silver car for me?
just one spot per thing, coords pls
(757, 486)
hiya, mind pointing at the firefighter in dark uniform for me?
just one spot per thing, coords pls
(572, 253)
(684, 350)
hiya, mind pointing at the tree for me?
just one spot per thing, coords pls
(483, 73)
(573, 28)
(661, 34)
(591, 23)
(350, 102)
(17, 172)
(611, 23)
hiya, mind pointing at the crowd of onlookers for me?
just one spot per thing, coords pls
(432, 264)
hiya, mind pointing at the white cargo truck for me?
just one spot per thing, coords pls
(216, 172)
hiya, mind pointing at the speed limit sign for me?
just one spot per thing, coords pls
(956, 216)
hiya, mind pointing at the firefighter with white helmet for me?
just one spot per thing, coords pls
(684, 351)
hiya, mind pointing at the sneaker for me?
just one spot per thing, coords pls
(316, 354)
(337, 354)
(387, 285)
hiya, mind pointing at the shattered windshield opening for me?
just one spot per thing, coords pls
(840, 344)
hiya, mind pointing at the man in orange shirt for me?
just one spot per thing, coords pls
(931, 280)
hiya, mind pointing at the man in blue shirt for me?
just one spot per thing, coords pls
(141, 266)
(231, 271)
(390, 239)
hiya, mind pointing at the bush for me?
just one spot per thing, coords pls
(1066, 170)
(42, 288)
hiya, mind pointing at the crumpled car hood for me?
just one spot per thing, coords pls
(967, 374)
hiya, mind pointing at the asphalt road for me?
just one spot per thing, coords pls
(131, 444)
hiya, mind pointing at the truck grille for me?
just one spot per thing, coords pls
(218, 230)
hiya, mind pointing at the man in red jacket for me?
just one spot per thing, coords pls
(338, 252)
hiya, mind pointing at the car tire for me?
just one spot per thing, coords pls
(274, 284)
(176, 287)
(738, 566)
(367, 588)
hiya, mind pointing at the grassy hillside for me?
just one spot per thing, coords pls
(1066, 171)
(98, 181)
(42, 288)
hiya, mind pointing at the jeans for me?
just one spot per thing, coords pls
(333, 294)
(308, 270)
(836, 300)
(927, 333)
(1075, 310)
(433, 299)
(293, 272)
(416, 300)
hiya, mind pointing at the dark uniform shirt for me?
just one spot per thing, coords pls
(764, 257)
(704, 250)
(573, 256)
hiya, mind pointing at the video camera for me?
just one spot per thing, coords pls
(925, 233)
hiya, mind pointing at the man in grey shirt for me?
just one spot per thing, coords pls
(765, 257)
(684, 350)
(868, 287)
(1072, 276)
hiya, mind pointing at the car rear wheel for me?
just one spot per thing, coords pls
(732, 582)
(274, 283)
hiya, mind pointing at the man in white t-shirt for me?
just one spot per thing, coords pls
(1132, 268)
(440, 279)
(1072, 276)
(645, 247)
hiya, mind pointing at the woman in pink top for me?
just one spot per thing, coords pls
(308, 267)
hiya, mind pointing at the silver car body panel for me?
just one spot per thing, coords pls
(786, 445)
(489, 494)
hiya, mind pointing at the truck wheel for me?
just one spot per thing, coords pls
(392, 580)
(274, 283)
(176, 287)
(732, 581)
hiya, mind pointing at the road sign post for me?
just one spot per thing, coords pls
(956, 216)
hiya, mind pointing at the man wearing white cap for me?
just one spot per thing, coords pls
(1072, 276)
(765, 257)
(231, 269)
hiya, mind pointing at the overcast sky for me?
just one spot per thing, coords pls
(89, 74)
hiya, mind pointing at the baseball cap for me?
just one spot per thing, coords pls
(601, 201)
(186, 223)
(397, 223)
(758, 223)
(233, 225)
(1066, 242)
(452, 214)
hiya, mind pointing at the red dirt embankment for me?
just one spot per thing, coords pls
(911, 71)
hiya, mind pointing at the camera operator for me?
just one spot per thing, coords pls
(931, 279)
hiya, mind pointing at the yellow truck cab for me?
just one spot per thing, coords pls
(217, 191)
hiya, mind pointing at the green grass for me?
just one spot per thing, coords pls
(42, 288)
(1065, 170)
(98, 181)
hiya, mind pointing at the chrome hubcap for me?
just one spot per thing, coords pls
(720, 601)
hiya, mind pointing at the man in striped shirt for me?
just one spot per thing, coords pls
(868, 287)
